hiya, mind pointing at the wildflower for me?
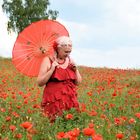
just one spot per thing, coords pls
(2, 109)
(132, 121)
(75, 132)
(18, 107)
(90, 100)
(8, 118)
(137, 115)
(132, 138)
(32, 131)
(69, 116)
(26, 125)
(88, 131)
(83, 107)
(89, 139)
(117, 121)
(103, 116)
(25, 102)
(15, 114)
(12, 128)
(114, 94)
(6, 138)
(124, 118)
(60, 135)
(89, 93)
(18, 136)
(36, 106)
(119, 135)
(112, 105)
(93, 113)
(91, 125)
(97, 137)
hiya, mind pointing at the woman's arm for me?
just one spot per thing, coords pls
(75, 68)
(46, 70)
(78, 76)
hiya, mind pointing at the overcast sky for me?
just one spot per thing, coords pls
(105, 33)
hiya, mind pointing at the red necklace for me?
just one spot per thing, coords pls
(62, 62)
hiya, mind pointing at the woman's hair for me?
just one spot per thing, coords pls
(63, 40)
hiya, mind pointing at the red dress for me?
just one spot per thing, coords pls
(60, 92)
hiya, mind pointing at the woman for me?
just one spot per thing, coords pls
(60, 77)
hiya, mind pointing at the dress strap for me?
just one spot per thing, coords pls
(69, 60)
(51, 61)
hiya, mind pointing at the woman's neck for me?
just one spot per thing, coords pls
(61, 60)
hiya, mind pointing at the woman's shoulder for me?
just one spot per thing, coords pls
(46, 61)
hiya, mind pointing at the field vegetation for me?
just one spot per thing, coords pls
(109, 107)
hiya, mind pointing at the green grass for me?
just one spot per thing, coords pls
(105, 95)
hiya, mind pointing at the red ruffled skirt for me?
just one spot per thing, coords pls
(59, 96)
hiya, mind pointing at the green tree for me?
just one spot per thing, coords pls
(21, 13)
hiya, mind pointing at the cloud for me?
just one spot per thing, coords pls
(78, 3)
(77, 31)
(118, 23)
(127, 12)
(7, 40)
(119, 57)
(108, 38)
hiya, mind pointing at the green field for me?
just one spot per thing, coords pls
(109, 103)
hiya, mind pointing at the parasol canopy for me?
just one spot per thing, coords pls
(34, 43)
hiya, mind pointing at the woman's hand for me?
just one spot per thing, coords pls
(73, 66)
(54, 64)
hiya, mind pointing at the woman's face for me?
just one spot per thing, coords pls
(64, 51)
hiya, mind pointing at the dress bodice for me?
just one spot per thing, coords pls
(62, 74)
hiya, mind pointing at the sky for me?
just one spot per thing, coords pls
(105, 33)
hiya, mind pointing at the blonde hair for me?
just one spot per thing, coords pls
(63, 40)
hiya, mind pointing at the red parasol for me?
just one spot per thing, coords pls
(35, 42)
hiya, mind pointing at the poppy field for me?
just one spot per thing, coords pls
(109, 107)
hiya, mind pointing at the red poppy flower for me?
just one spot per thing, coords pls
(12, 128)
(89, 93)
(15, 114)
(26, 125)
(60, 135)
(97, 137)
(8, 118)
(69, 116)
(132, 121)
(2, 109)
(114, 94)
(93, 113)
(124, 118)
(119, 135)
(18, 136)
(88, 131)
(75, 132)
(117, 121)
(91, 125)
(132, 138)
(137, 115)
(83, 107)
